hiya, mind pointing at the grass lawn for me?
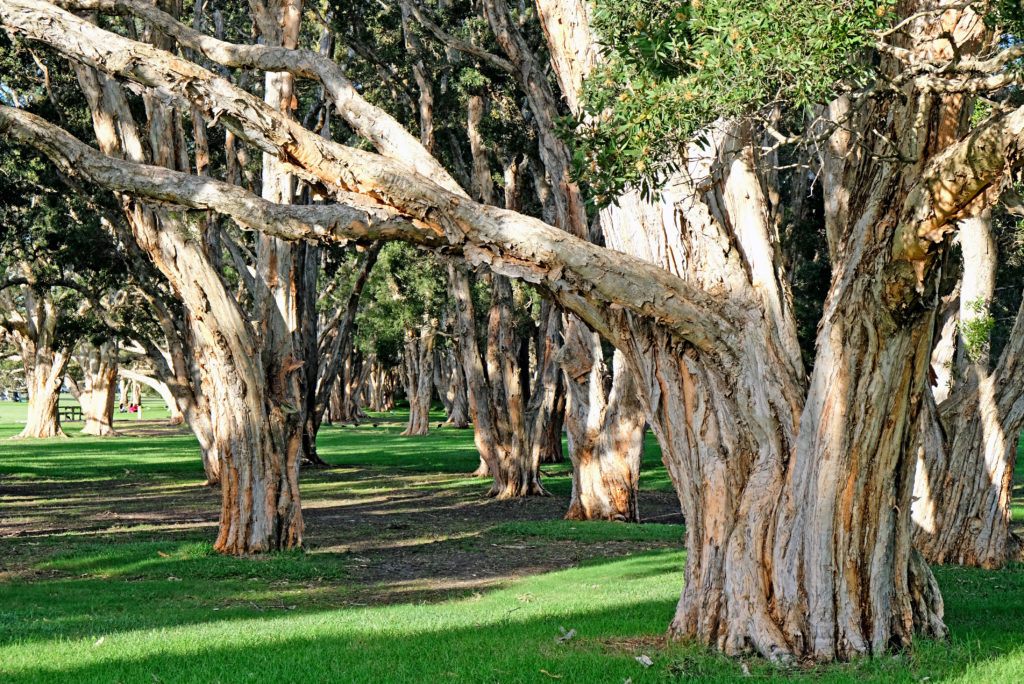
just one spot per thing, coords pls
(409, 575)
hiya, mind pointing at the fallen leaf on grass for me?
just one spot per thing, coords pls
(553, 676)
(163, 555)
(644, 660)
(566, 636)
(98, 642)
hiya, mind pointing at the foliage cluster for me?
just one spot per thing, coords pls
(671, 68)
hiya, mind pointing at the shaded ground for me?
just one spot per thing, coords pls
(405, 528)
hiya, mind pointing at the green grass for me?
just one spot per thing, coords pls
(139, 600)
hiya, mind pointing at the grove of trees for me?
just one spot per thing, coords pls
(782, 236)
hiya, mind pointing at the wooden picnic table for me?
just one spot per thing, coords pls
(70, 413)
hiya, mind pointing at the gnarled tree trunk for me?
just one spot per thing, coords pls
(606, 454)
(796, 492)
(99, 388)
(964, 478)
(45, 363)
(418, 377)
(44, 375)
(258, 465)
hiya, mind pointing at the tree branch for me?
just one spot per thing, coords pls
(371, 122)
(455, 42)
(583, 277)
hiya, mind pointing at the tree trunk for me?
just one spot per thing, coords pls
(258, 465)
(964, 478)
(450, 382)
(339, 376)
(44, 375)
(44, 363)
(606, 443)
(99, 388)
(547, 402)
(418, 374)
(798, 538)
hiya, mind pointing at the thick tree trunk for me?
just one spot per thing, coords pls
(516, 468)
(798, 538)
(606, 454)
(381, 387)
(964, 478)
(418, 375)
(258, 462)
(44, 375)
(43, 361)
(98, 389)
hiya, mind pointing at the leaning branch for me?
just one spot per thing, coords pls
(369, 121)
(583, 277)
(954, 180)
(360, 219)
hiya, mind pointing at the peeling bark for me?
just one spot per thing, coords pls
(44, 362)
(968, 443)
(418, 377)
(782, 479)
(98, 389)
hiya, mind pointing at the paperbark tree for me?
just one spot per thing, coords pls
(604, 484)
(418, 376)
(782, 480)
(258, 465)
(44, 357)
(964, 478)
(98, 389)
(450, 384)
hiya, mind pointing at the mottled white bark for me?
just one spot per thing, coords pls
(98, 388)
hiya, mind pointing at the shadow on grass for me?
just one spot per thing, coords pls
(617, 609)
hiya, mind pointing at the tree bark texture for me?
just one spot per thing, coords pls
(418, 377)
(783, 479)
(968, 443)
(258, 471)
(99, 387)
(45, 362)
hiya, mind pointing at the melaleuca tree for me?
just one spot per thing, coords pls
(468, 109)
(973, 417)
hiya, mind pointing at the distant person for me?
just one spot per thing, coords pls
(17, 395)
(121, 408)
